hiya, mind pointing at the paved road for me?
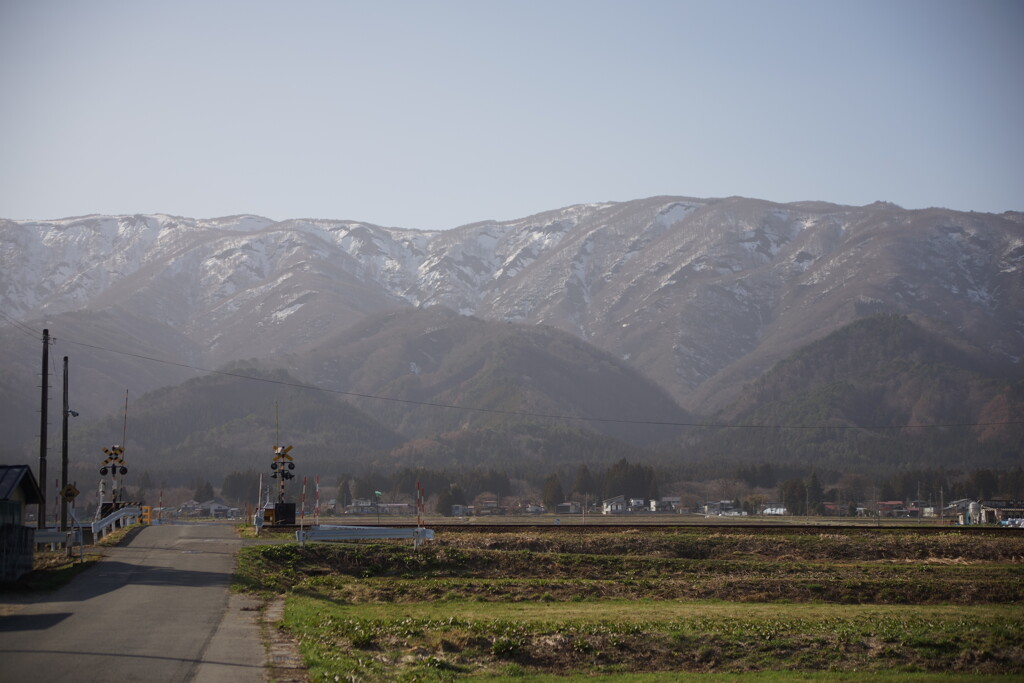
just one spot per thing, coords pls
(157, 609)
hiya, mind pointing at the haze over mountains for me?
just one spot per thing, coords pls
(666, 311)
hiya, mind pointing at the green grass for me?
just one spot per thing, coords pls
(120, 536)
(628, 611)
(651, 606)
(784, 676)
(384, 641)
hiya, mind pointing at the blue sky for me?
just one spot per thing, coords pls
(434, 114)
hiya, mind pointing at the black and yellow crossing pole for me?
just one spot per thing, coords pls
(282, 464)
(114, 464)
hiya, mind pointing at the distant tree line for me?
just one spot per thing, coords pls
(800, 491)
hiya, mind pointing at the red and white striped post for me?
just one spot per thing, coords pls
(419, 505)
(316, 505)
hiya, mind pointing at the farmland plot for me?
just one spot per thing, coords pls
(654, 603)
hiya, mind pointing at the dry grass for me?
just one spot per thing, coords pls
(651, 602)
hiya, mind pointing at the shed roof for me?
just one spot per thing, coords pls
(13, 477)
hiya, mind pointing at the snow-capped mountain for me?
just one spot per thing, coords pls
(701, 295)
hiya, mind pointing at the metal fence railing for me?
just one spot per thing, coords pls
(114, 521)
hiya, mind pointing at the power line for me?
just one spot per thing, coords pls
(548, 416)
(35, 334)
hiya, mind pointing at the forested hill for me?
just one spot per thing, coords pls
(498, 373)
(212, 425)
(417, 388)
(872, 394)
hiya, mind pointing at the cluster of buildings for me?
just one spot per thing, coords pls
(620, 505)
(966, 511)
(613, 506)
(1004, 512)
(207, 509)
(365, 506)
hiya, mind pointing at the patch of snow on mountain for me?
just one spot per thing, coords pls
(244, 223)
(279, 316)
(674, 213)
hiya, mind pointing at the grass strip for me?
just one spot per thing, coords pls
(429, 642)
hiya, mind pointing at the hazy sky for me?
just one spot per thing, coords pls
(428, 114)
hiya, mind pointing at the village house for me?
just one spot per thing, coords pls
(956, 509)
(489, 506)
(665, 504)
(18, 488)
(891, 508)
(190, 508)
(361, 506)
(720, 508)
(218, 510)
(614, 506)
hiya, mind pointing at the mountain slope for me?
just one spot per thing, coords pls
(870, 394)
(209, 426)
(115, 359)
(427, 361)
(701, 294)
(434, 357)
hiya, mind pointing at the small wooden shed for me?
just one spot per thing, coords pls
(18, 488)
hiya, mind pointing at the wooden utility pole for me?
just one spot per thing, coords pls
(41, 522)
(64, 453)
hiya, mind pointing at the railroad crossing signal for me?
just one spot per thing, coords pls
(115, 459)
(282, 463)
(115, 452)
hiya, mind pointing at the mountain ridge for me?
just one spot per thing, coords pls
(702, 296)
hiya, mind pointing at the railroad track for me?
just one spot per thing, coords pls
(577, 526)
(711, 528)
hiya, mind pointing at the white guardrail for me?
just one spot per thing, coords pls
(69, 539)
(115, 520)
(325, 532)
(58, 537)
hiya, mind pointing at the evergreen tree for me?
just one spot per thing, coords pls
(814, 494)
(344, 497)
(239, 487)
(203, 492)
(444, 503)
(632, 481)
(453, 495)
(584, 484)
(553, 494)
(984, 482)
(793, 493)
